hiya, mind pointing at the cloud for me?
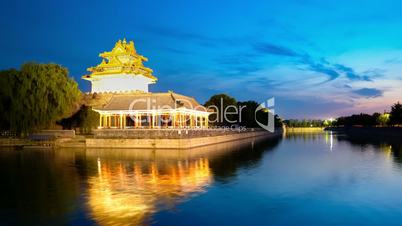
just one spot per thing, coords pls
(322, 66)
(286, 108)
(180, 35)
(394, 60)
(238, 64)
(374, 72)
(350, 73)
(273, 49)
(336, 70)
(174, 50)
(173, 33)
(196, 37)
(249, 61)
(369, 92)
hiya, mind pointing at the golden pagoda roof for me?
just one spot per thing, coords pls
(122, 59)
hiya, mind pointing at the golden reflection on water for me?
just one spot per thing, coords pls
(329, 139)
(128, 192)
(387, 150)
(130, 185)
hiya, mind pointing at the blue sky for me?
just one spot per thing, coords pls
(319, 59)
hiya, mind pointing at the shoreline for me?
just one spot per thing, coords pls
(304, 129)
(122, 139)
(378, 132)
(174, 143)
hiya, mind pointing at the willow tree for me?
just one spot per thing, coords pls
(36, 96)
(6, 91)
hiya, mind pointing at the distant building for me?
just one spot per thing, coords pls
(121, 83)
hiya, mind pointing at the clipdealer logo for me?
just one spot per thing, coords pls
(267, 106)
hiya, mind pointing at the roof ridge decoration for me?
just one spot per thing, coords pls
(178, 103)
(122, 59)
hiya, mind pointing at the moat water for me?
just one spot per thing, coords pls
(301, 179)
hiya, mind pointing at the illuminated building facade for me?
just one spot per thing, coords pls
(121, 81)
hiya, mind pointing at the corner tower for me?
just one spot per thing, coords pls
(121, 70)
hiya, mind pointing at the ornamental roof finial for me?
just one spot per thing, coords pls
(122, 59)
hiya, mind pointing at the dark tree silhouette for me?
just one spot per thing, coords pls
(240, 113)
(220, 104)
(396, 114)
(85, 120)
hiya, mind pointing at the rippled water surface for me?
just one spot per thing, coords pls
(301, 179)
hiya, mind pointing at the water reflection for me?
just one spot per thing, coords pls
(114, 187)
(309, 136)
(390, 146)
(329, 138)
(241, 156)
(127, 193)
(129, 186)
(37, 187)
(250, 182)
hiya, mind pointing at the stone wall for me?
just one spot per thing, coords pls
(52, 135)
(190, 140)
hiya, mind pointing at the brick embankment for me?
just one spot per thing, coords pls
(168, 139)
(141, 138)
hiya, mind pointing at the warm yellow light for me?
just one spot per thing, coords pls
(126, 194)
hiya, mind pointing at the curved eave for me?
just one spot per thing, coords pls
(90, 77)
(152, 111)
(86, 77)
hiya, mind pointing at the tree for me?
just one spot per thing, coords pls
(247, 113)
(36, 96)
(85, 119)
(395, 117)
(6, 94)
(225, 110)
(278, 121)
(248, 116)
(305, 123)
(358, 120)
(383, 119)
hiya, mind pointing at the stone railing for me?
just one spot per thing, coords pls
(166, 133)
